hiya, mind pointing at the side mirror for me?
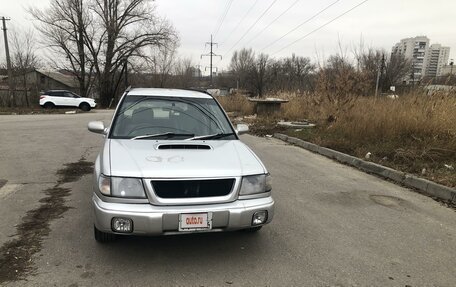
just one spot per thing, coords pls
(242, 129)
(97, 127)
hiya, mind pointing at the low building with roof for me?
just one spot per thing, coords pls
(36, 81)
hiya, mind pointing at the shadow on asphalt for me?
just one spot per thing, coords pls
(187, 248)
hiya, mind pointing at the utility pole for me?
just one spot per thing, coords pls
(199, 75)
(211, 55)
(379, 74)
(413, 73)
(451, 65)
(8, 59)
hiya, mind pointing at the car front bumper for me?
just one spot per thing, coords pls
(156, 220)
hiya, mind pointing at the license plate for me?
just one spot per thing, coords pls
(195, 221)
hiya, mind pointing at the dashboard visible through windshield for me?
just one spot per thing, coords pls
(146, 117)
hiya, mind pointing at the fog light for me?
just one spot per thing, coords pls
(259, 217)
(123, 225)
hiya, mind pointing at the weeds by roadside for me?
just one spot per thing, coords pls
(415, 133)
(239, 104)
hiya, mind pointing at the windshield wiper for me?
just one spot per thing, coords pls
(168, 135)
(210, 137)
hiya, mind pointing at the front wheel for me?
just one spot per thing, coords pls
(85, 107)
(103, 237)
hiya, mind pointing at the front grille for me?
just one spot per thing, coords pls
(192, 188)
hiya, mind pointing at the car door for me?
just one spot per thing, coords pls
(71, 99)
(57, 98)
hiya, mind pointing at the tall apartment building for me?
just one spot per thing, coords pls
(426, 60)
(414, 49)
(437, 58)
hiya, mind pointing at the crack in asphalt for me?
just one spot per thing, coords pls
(16, 254)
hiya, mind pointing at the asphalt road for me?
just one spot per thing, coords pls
(334, 225)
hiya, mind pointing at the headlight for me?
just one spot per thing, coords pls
(255, 184)
(121, 187)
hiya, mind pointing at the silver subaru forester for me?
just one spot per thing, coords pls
(172, 163)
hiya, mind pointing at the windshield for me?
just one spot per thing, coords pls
(145, 117)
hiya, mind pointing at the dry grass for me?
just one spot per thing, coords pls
(413, 116)
(411, 133)
(237, 103)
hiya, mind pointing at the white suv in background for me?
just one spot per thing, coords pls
(63, 98)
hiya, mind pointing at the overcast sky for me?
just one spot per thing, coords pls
(380, 23)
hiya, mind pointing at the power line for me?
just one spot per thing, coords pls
(219, 19)
(273, 21)
(227, 8)
(315, 30)
(297, 27)
(242, 20)
(250, 28)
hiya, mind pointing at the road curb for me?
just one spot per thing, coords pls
(422, 185)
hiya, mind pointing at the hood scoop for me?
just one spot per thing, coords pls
(184, 146)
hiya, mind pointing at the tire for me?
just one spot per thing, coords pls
(49, 105)
(253, 229)
(103, 237)
(85, 107)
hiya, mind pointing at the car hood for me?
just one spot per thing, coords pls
(145, 158)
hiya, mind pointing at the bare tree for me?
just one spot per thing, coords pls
(242, 63)
(122, 29)
(397, 67)
(339, 84)
(260, 74)
(369, 65)
(102, 36)
(183, 72)
(64, 27)
(162, 63)
(24, 58)
(292, 73)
